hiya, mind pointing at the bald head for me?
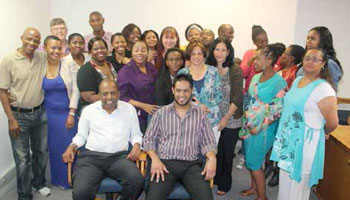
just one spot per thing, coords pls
(30, 42)
(226, 31)
(108, 83)
(32, 31)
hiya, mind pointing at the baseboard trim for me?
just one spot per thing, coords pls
(7, 180)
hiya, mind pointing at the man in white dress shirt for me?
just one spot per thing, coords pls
(107, 127)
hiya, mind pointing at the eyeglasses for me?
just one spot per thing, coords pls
(312, 59)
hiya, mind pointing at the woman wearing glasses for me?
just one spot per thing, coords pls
(309, 115)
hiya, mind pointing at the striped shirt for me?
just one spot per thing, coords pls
(174, 138)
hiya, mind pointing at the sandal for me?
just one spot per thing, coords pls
(247, 192)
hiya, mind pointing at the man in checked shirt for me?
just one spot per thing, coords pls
(177, 135)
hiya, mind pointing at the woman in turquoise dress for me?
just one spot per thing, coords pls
(309, 113)
(62, 126)
(261, 115)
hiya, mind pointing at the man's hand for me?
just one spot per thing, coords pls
(135, 152)
(14, 128)
(157, 170)
(70, 122)
(210, 168)
(68, 155)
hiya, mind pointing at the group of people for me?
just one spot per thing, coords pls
(115, 94)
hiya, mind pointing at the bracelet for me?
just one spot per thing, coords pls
(71, 113)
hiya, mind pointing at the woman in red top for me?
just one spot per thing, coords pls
(289, 60)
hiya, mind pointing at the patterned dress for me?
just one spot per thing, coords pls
(210, 95)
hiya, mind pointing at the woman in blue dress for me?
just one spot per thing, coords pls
(60, 116)
(261, 116)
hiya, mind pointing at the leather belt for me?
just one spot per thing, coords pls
(26, 110)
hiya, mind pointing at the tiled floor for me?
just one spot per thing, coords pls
(241, 180)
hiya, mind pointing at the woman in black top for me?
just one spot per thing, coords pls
(119, 56)
(174, 59)
(93, 72)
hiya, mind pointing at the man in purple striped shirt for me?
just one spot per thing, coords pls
(177, 136)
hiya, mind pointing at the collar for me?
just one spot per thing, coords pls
(173, 109)
(19, 56)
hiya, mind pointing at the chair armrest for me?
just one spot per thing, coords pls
(69, 174)
(142, 163)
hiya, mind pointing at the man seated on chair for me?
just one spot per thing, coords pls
(107, 126)
(177, 135)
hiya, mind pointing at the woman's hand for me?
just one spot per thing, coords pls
(223, 122)
(150, 109)
(70, 122)
(253, 131)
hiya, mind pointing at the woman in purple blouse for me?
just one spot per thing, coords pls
(136, 83)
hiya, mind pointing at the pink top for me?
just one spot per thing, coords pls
(106, 37)
(248, 71)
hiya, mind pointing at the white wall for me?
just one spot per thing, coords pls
(285, 21)
(335, 15)
(15, 15)
(157, 14)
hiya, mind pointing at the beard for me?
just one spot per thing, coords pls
(183, 104)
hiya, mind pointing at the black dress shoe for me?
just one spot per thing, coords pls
(275, 178)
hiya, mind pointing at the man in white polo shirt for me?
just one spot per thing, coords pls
(107, 126)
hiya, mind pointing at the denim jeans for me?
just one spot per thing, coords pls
(30, 151)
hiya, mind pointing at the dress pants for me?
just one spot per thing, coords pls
(92, 167)
(187, 173)
(226, 149)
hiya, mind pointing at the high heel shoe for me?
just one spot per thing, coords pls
(275, 178)
(269, 168)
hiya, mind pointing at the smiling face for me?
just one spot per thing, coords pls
(169, 39)
(96, 22)
(59, 30)
(77, 45)
(182, 93)
(119, 44)
(261, 61)
(98, 52)
(313, 62)
(134, 36)
(151, 40)
(30, 41)
(174, 62)
(220, 53)
(207, 37)
(227, 33)
(261, 41)
(312, 40)
(139, 52)
(53, 49)
(197, 57)
(193, 35)
(109, 95)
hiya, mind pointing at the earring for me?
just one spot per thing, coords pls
(322, 69)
